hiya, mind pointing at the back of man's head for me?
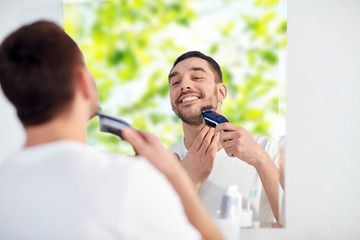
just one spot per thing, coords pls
(37, 70)
(213, 64)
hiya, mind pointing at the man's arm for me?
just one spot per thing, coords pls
(149, 146)
(282, 168)
(237, 142)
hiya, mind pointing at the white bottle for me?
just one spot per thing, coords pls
(230, 221)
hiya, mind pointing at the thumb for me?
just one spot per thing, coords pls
(134, 138)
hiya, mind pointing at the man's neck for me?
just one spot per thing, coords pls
(55, 130)
(190, 134)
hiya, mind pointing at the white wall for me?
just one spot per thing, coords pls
(12, 15)
(323, 122)
(323, 119)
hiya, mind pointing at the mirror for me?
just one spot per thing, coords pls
(130, 47)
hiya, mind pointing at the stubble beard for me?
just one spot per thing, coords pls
(191, 119)
(196, 118)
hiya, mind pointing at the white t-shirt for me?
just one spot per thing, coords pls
(66, 190)
(230, 170)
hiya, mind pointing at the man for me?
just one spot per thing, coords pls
(58, 188)
(228, 154)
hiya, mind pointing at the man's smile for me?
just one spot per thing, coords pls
(188, 98)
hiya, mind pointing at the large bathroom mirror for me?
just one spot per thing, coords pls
(130, 46)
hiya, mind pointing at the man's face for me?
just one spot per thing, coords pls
(193, 87)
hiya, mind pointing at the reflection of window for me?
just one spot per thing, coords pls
(130, 47)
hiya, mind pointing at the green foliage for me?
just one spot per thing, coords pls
(130, 46)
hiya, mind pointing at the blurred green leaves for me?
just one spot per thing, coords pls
(130, 46)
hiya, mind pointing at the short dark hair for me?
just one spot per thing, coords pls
(37, 69)
(213, 64)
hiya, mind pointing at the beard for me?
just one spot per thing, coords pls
(195, 117)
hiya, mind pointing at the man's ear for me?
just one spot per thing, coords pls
(222, 92)
(82, 82)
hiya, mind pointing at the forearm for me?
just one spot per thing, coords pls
(195, 180)
(194, 209)
(281, 168)
(269, 175)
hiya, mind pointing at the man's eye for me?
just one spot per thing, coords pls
(196, 78)
(175, 83)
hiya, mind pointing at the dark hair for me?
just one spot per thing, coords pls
(37, 68)
(213, 64)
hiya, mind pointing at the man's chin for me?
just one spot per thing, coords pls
(193, 120)
(192, 114)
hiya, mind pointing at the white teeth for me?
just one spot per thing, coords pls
(189, 99)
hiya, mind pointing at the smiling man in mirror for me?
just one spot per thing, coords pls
(227, 154)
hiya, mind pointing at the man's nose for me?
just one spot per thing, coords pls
(185, 84)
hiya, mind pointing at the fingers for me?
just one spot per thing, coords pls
(213, 147)
(231, 137)
(226, 126)
(134, 138)
(149, 137)
(140, 140)
(231, 132)
(228, 142)
(228, 136)
(199, 139)
(230, 151)
(207, 140)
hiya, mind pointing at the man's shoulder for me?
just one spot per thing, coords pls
(115, 162)
(265, 140)
(270, 145)
(179, 148)
(74, 155)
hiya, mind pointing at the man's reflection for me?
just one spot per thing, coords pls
(218, 157)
